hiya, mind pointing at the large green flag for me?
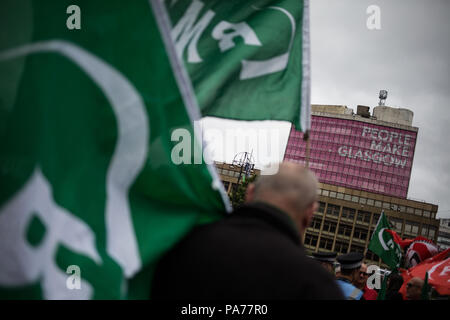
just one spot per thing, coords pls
(382, 243)
(91, 190)
(248, 60)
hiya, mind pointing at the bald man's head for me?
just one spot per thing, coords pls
(293, 189)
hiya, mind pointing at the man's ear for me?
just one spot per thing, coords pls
(250, 193)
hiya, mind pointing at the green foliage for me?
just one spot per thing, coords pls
(238, 196)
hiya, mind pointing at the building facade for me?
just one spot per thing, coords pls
(443, 239)
(231, 175)
(347, 217)
(358, 150)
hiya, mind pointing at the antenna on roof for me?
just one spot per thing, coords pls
(383, 97)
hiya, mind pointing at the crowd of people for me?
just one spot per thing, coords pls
(352, 277)
(256, 252)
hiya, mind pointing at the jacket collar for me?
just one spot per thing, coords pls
(271, 215)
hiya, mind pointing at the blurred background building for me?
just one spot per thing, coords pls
(443, 239)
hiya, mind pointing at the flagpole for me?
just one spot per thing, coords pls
(308, 146)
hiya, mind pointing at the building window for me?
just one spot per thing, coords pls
(411, 228)
(333, 210)
(325, 193)
(376, 217)
(345, 230)
(332, 194)
(426, 213)
(360, 233)
(370, 202)
(340, 195)
(410, 210)
(348, 213)
(431, 232)
(326, 243)
(347, 197)
(378, 204)
(424, 230)
(355, 248)
(397, 224)
(415, 229)
(363, 200)
(321, 207)
(386, 205)
(311, 240)
(341, 247)
(355, 199)
(329, 226)
(363, 216)
(418, 212)
(315, 224)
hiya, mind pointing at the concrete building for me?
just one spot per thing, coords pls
(229, 175)
(443, 239)
(347, 217)
(358, 150)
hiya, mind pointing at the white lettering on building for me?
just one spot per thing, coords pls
(386, 147)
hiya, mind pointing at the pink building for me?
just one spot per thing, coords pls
(358, 150)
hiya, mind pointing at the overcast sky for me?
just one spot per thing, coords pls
(409, 57)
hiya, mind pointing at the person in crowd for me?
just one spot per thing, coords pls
(394, 283)
(326, 259)
(414, 289)
(337, 270)
(361, 283)
(350, 266)
(253, 253)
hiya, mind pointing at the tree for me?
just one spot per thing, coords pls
(238, 194)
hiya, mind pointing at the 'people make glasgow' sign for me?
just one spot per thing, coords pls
(390, 148)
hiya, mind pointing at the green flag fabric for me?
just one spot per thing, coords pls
(248, 60)
(90, 196)
(382, 293)
(382, 243)
(425, 294)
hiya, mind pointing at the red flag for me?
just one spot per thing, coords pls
(438, 268)
(419, 248)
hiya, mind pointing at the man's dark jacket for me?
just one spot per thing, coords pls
(254, 253)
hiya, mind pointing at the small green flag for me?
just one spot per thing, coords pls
(248, 60)
(382, 292)
(425, 295)
(382, 243)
